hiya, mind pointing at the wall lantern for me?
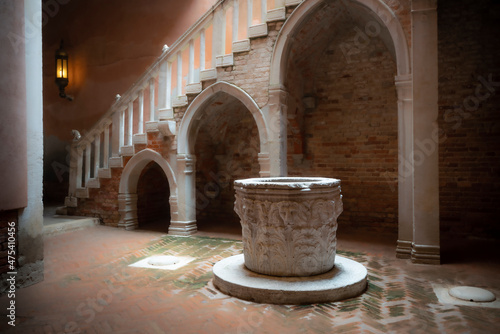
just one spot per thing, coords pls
(62, 71)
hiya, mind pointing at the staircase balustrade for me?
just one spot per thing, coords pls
(179, 71)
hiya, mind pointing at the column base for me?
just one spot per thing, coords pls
(183, 227)
(403, 249)
(127, 207)
(425, 254)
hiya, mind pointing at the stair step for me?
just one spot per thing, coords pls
(278, 14)
(104, 173)
(70, 202)
(127, 151)
(62, 210)
(115, 162)
(82, 192)
(258, 30)
(93, 183)
(140, 138)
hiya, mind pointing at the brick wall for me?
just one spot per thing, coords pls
(469, 156)
(351, 132)
(251, 69)
(102, 202)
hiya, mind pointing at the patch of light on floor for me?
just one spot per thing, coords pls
(165, 262)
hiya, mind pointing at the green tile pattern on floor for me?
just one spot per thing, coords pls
(157, 301)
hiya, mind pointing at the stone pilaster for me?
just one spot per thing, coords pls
(127, 206)
(185, 222)
(405, 171)
(425, 247)
(277, 119)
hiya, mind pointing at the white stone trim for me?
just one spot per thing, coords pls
(165, 113)
(132, 171)
(82, 193)
(167, 128)
(178, 101)
(225, 60)
(127, 151)
(104, 173)
(241, 46)
(277, 14)
(152, 126)
(93, 183)
(115, 162)
(70, 202)
(209, 74)
(140, 138)
(185, 140)
(258, 30)
(292, 2)
(193, 88)
(280, 52)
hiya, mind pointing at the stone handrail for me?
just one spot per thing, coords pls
(229, 24)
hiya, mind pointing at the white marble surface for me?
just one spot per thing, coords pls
(346, 280)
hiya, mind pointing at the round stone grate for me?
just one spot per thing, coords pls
(163, 260)
(472, 294)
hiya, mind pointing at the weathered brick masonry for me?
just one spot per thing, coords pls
(343, 121)
(469, 155)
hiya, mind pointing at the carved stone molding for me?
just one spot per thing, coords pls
(127, 206)
(289, 224)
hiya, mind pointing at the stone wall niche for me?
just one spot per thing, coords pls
(289, 244)
(289, 224)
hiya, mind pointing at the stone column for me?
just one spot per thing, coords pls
(73, 171)
(152, 100)
(79, 167)
(115, 133)
(130, 120)
(186, 197)
(121, 133)
(87, 162)
(276, 117)
(202, 50)
(97, 153)
(127, 207)
(105, 159)
(425, 248)
(140, 128)
(405, 170)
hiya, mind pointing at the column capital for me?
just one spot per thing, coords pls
(423, 5)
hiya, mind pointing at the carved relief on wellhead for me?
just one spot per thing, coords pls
(289, 233)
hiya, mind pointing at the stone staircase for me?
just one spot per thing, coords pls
(156, 101)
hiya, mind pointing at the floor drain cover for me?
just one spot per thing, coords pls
(163, 260)
(472, 294)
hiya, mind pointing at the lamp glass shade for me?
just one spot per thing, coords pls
(62, 68)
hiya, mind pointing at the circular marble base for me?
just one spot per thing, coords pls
(472, 294)
(347, 279)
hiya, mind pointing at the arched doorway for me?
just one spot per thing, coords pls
(226, 149)
(153, 208)
(227, 129)
(145, 166)
(343, 121)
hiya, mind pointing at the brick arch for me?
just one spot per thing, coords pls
(186, 137)
(127, 197)
(279, 58)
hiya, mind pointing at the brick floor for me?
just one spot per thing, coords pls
(90, 288)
